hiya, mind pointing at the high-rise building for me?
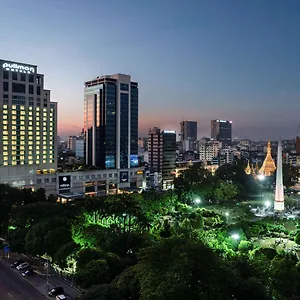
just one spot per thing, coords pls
(221, 130)
(188, 135)
(162, 154)
(28, 123)
(298, 145)
(111, 122)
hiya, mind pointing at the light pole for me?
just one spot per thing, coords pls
(227, 215)
(197, 200)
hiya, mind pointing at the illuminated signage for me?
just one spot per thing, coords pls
(64, 182)
(124, 176)
(170, 131)
(18, 68)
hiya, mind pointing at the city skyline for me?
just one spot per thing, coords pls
(207, 61)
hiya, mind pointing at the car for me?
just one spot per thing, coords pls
(27, 273)
(23, 266)
(17, 263)
(60, 297)
(56, 291)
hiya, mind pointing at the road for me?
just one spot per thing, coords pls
(13, 287)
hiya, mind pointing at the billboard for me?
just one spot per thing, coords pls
(124, 176)
(64, 182)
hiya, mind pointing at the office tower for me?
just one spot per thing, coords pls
(298, 145)
(221, 131)
(28, 123)
(72, 143)
(162, 154)
(111, 122)
(188, 135)
(169, 158)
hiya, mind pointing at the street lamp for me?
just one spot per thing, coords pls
(197, 200)
(267, 203)
(261, 177)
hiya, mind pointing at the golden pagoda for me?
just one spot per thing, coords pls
(248, 169)
(268, 166)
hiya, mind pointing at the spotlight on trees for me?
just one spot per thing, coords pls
(227, 214)
(235, 236)
(261, 177)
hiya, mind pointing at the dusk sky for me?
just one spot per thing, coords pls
(194, 60)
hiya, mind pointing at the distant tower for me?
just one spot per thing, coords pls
(279, 194)
(268, 166)
(248, 169)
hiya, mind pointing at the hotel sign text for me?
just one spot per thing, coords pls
(18, 68)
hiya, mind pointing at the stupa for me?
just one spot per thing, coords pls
(268, 166)
(248, 169)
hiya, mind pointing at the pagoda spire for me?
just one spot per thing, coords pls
(268, 166)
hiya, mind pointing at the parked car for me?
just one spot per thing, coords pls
(56, 291)
(23, 266)
(60, 297)
(28, 273)
(17, 263)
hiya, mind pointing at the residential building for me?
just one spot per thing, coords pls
(209, 150)
(221, 130)
(28, 124)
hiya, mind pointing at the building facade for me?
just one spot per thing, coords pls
(209, 150)
(221, 130)
(188, 135)
(111, 122)
(28, 124)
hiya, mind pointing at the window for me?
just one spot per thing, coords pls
(31, 78)
(31, 89)
(18, 88)
(53, 180)
(5, 74)
(74, 177)
(124, 87)
(39, 181)
(14, 76)
(46, 180)
(23, 77)
(38, 90)
(5, 86)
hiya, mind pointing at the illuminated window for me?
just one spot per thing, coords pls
(5, 137)
(13, 122)
(51, 109)
(14, 132)
(44, 137)
(22, 122)
(22, 148)
(30, 157)
(30, 107)
(5, 157)
(38, 157)
(4, 122)
(5, 111)
(23, 118)
(22, 107)
(44, 161)
(30, 142)
(4, 106)
(23, 143)
(44, 124)
(4, 117)
(14, 152)
(51, 119)
(5, 132)
(22, 112)
(5, 148)
(30, 113)
(30, 152)
(22, 162)
(37, 161)
(37, 108)
(5, 153)
(51, 133)
(38, 138)
(13, 127)
(51, 156)
(30, 123)
(30, 162)
(44, 147)
(45, 109)
(45, 114)
(51, 124)
(30, 147)
(38, 143)
(22, 157)
(30, 137)
(14, 163)
(37, 123)
(13, 137)
(5, 127)
(22, 128)
(14, 107)
(14, 143)
(37, 133)
(13, 117)
(37, 128)
(44, 156)
(22, 152)
(5, 163)
(13, 112)
(37, 152)
(14, 148)
(22, 137)
(22, 132)
(29, 127)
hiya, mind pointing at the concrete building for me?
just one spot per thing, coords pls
(111, 122)
(188, 135)
(28, 124)
(162, 155)
(72, 143)
(209, 150)
(221, 130)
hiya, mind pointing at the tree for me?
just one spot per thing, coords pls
(225, 191)
(94, 272)
(102, 292)
(181, 268)
(290, 175)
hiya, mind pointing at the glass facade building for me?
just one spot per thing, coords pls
(111, 122)
(221, 131)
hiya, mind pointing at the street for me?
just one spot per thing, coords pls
(13, 287)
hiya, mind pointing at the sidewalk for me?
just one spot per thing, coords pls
(40, 283)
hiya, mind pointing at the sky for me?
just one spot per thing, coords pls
(193, 60)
